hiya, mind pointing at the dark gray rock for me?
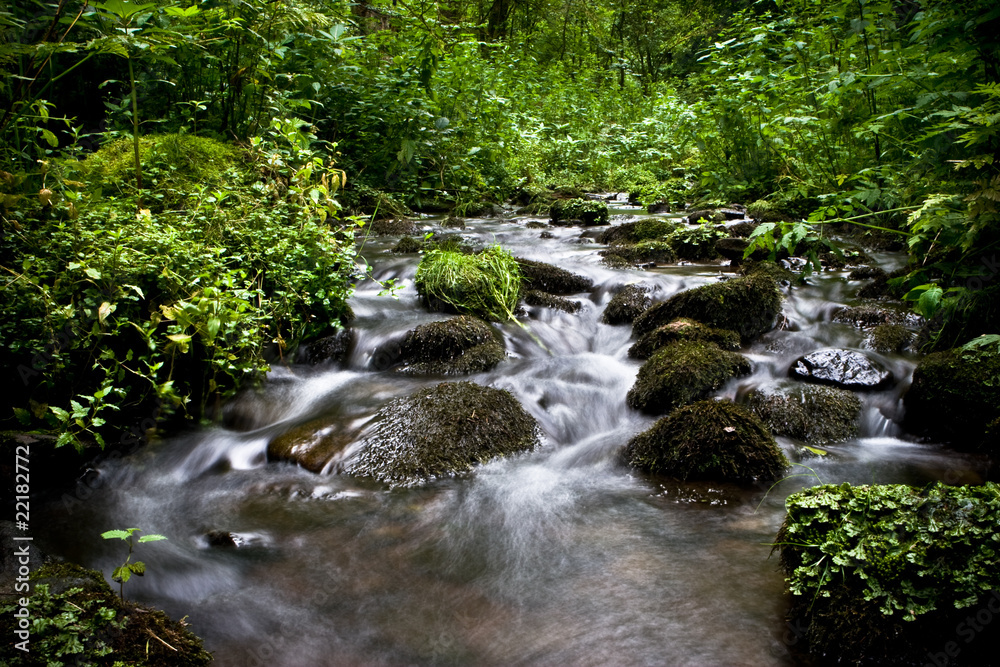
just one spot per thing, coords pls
(846, 369)
(627, 305)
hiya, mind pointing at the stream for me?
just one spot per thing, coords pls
(562, 556)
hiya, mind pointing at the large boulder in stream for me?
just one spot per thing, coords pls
(955, 397)
(443, 431)
(811, 413)
(458, 346)
(708, 440)
(847, 369)
(681, 373)
(683, 329)
(747, 305)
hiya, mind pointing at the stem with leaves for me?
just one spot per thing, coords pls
(125, 571)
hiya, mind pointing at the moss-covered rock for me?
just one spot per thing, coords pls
(642, 253)
(741, 230)
(695, 243)
(77, 619)
(582, 211)
(458, 346)
(311, 445)
(407, 245)
(708, 440)
(681, 373)
(551, 279)
(453, 222)
(443, 431)
(683, 329)
(546, 300)
(329, 349)
(774, 271)
(747, 305)
(704, 215)
(893, 575)
(485, 284)
(811, 413)
(955, 396)
(627, 305)
(393, 227)
(890, 338)
(627, 233)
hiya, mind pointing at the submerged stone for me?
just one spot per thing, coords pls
(551, 279)
(812, 413)
(311, 445)
(847, 369)
(443, 431)
(627, 305)
(681, 373)
(683, 329)
(546, 300)
(708, 440)
(333, 348)
(747, 305)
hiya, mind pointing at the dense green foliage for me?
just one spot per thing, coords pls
(485, 284)
(862, 559)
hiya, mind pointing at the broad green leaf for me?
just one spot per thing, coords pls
(116, 534)
(152, 537)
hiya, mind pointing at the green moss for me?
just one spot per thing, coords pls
(486, 284)
(811, 413)
(169, 162)
(660, 252)
(681, 373)
(884, 574)
(551, 279)
(443, 431)
(649, 229)
(457, 346)
(683, 329)
(453, 222)
(585, 211)
(888, 338)
(771, 270)
(746, 305)
(77, 619)
(392, 227)
(627, 305)
(954, 396)
(708, 440)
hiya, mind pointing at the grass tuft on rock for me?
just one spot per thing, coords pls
(708, 440)
(486, 284)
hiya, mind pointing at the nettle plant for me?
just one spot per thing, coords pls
(125, 571)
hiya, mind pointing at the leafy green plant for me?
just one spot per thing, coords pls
(486, 284)
(125, 571)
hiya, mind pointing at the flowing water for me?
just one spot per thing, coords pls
(557, 557)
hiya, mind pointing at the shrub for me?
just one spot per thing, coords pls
(486, 284)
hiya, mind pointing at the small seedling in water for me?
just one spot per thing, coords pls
(125, 571)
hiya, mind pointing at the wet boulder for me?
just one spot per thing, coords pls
(955, 397)
(578, 211)
(644, 254)
(443, 431)
(847, 369)
(627, 305)
(453, 222)
(681, 373)
(695, 243)
(458, 346)
(704, 215)
(811, 413)
(708, 440)
(683, 329)
(407, 245)
(551, 279)
(333, 348)
(747, 305)
(311, 445)
(627, 233)
(545, 300)
(869, 315)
